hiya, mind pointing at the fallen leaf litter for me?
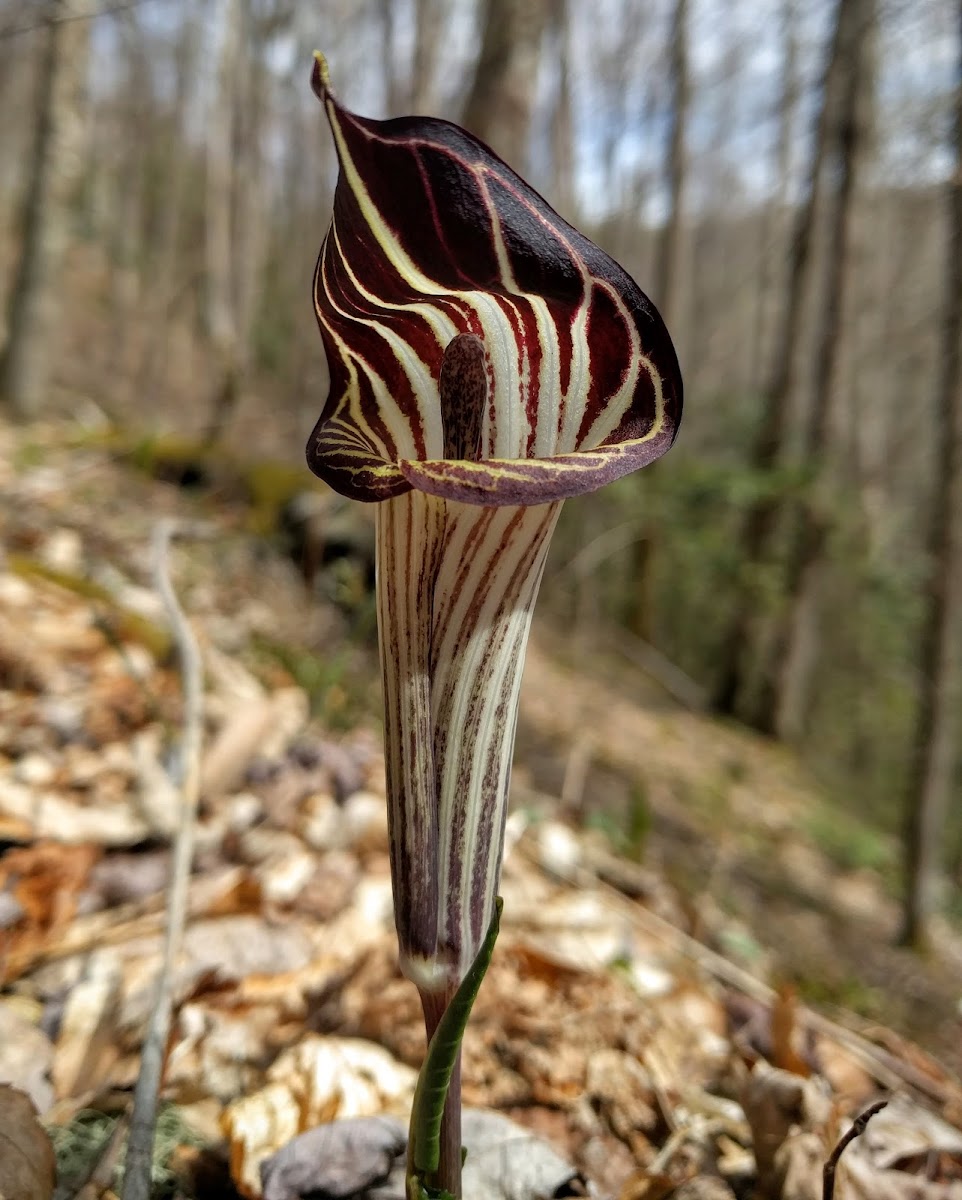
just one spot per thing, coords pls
(650, 1067)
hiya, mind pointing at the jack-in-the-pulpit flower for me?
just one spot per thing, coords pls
(486, 361)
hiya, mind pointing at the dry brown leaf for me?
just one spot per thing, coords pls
(705, 1187)
(575, 930)
(540, 962)
(860, 1180)
(847, 1077)
(785, 1033)
(798, 1166)
(200, 1172)
(27, 1164)
(222, 1053)
(87, 1046)
(59, 816)
(254, 728)
(14, 829)
(239, 892)
(21, 667)
(921, 1061)
(647, 1187)
(317, 1080)
(221, 891)
(25, 1055)
(117, 706)
(46, 881)
(619, 1088)
(247, 944)
(781, 1109)
(906, 1137)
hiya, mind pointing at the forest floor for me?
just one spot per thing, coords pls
(696, 984)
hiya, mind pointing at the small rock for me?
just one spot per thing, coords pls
(346, 771)
(374, 902)
(35, 769)
(63, 716)
(261, 844)
(364, 822)
(331, 888)
(244, 811)
(283, 878)
(323, 822)
(335, 1161)
(507, 1162)
(120, 878)
(504, 1161)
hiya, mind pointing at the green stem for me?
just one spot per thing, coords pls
(434, 1149)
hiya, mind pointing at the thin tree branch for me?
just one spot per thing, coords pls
(153, 1055)
(858, 1128)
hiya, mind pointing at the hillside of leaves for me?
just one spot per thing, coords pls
(695, 990)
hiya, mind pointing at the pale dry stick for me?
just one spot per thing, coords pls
(144, 1117)
(858, 1128)
(667, 674)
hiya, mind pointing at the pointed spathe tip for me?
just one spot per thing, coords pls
(321, 77)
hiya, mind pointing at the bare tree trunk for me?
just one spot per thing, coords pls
(428, 24)
(759, 522)
(785, 698)
(221, 308)
(501, 102)
(773, 248)
(387, 14)
(56, 160)
(21, 81)
(562, 123)
(127, 204)
(668, 272)
(165, 261)
(668, 266)
(939, 715)
(250, 194)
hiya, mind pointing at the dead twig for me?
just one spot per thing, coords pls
(858, 1128)
(144, 1117)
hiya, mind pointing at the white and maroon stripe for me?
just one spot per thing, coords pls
(456, 589)
(570, 372)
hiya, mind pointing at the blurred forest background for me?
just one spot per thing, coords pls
(782, 177)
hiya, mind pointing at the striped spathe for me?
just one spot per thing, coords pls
(486, 362)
